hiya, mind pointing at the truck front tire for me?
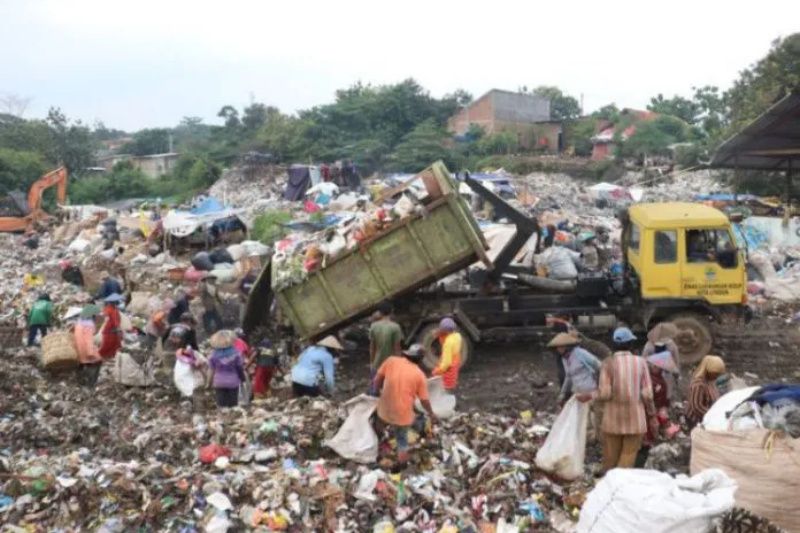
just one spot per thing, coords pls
(694, 339)
(427, 338)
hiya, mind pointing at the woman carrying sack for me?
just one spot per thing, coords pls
(88, 353)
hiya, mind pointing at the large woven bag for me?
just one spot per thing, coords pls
(58, 351)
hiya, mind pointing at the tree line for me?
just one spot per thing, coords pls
(396, 127)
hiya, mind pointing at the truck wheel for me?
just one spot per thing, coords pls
(427, 338)
(694, 338)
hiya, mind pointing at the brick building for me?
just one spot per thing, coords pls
(526, 115)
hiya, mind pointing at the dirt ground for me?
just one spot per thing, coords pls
(510, 378)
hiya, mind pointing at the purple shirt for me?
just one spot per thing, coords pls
(228, 368)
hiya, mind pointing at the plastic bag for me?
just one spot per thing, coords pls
(356, 440)
(128, 372)
(442, 402)
(628, 499)
(245, 392)
(565, 447)
(187, 378)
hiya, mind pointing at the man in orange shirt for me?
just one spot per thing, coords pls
(401, 382)
(450, 360)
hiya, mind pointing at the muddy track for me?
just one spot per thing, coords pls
(509, 378)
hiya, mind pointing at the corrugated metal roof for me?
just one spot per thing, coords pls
(770, 142)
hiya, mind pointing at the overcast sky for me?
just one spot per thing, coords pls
(147, 63)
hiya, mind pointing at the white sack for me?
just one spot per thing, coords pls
(564, 449)
(629, 499)
(187, 379)
(356, 439)
(442, 402)
(128, 372)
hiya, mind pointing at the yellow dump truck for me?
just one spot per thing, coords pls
(680, 264)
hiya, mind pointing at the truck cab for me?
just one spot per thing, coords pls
(682, 265)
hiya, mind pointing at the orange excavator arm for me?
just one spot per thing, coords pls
(56, 177)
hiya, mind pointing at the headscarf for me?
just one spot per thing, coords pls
(447, 324)
(710, 364)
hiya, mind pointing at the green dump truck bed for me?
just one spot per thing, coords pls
(412, 253)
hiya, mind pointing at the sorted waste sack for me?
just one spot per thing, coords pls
(765, 465)
(564, 449)
(356, 439)
(629, 499)
(58, 351)
(188, 379)
(442, 402)
(128, 372)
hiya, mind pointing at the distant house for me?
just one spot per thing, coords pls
(603, 143)
(153, 166)
(526, 115)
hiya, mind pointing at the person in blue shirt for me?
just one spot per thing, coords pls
(110, 286)
(314, 362)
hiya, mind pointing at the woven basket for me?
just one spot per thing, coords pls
(58, 351)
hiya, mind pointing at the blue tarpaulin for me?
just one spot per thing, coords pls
(749, 237)
(208, 205)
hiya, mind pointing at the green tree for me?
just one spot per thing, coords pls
(102, 133)
(255, 116)
(18, 170)
(764, 83)
(677, 106)
(503, 142)
(713, 116)
(148, 141)
(608, 112)
(419, 148)
(654, 137)
(230, 115)
(578, 135)
(26, 135)
(283, 136)
(562, 106)
(72, 143)
(191, 135)
(195, 171)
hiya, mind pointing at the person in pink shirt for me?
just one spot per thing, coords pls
(88, 351)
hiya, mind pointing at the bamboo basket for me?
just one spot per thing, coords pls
(58, 351)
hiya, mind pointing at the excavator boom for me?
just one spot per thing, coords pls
(58, 178)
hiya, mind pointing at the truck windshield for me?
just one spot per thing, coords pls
(711, 246)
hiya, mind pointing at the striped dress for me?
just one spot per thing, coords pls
(627, 394)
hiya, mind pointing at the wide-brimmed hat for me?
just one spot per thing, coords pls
(662, 332)
(89, 311)
(222, 339)
(113, 298)
(331, 342)
(562, 340)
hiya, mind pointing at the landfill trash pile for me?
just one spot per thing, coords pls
(244, 189)
(122, 459)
